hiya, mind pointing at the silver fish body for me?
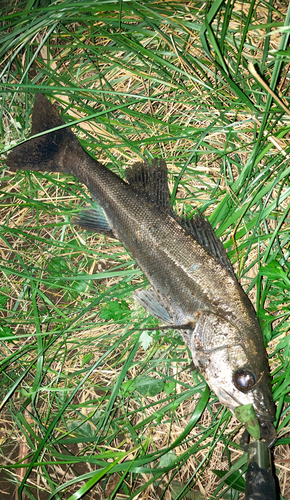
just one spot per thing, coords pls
(192, 281)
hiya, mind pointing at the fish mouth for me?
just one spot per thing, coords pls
(268, 432)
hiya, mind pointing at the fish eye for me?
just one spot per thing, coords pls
(244, 380)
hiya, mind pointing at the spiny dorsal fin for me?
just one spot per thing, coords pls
(201, 230)
(151, 180)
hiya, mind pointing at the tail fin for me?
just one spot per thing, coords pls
(47, 152)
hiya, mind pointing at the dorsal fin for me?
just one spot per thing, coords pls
(201, 230)
(151, 180)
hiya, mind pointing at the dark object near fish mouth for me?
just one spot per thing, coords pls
(260, 483)
(268, 432)
(268, 435)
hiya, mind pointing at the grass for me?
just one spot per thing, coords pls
(93, 407)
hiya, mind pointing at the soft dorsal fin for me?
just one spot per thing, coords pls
(151, 180)
(201, 230)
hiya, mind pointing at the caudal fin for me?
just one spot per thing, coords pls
(47, 152)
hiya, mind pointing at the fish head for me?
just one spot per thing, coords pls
(235, 367)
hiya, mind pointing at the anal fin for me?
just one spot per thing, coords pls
(153, 304)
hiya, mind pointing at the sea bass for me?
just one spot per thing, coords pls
(193, 286)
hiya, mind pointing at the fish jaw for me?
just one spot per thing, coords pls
(219, 354)
(268, 432)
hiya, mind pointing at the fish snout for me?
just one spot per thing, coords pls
(268, 432)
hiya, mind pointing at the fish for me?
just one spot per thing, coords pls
(193, 287)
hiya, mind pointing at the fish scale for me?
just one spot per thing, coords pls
(193, 286)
